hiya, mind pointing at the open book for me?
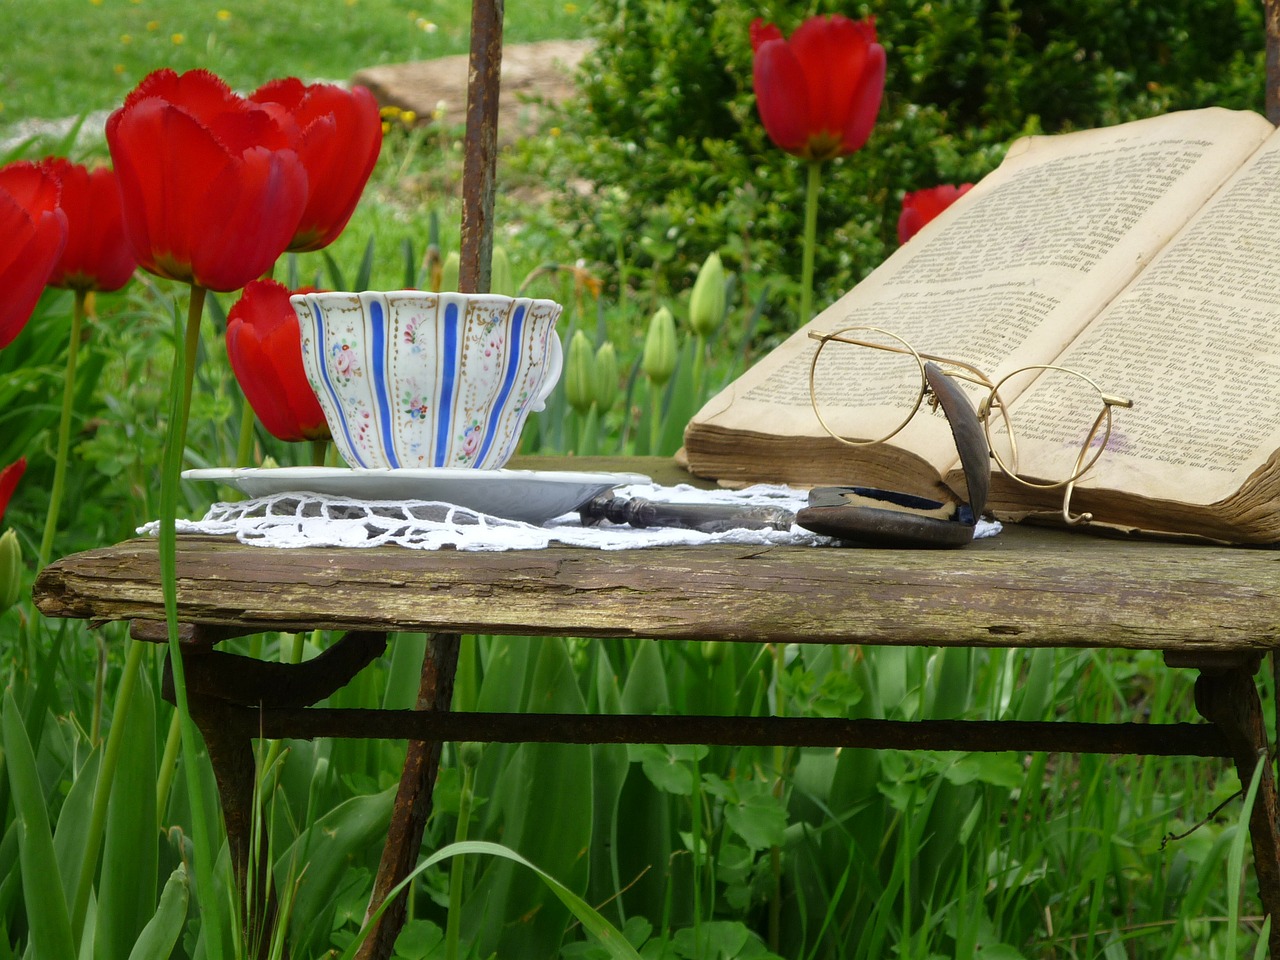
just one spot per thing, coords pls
(1144, 255)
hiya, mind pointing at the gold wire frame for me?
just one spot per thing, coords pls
(1089, 451)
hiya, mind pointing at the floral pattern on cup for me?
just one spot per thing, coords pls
(426, 379)
(346, 362)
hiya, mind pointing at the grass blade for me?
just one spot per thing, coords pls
(605, 933)
(1235, 858)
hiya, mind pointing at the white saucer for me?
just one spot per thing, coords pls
(533, 496)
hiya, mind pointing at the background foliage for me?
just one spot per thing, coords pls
(672, 140)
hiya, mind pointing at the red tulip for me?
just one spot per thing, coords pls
(341, 138)
(265, 348)
(819, 92)
(33, 232)
(9, 478)
(97, 255)
(212, 183)
(920, 207)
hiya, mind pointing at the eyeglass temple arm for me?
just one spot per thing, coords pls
(1103, 417)
(977, 376)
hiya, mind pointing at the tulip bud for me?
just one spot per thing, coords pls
(469, 753)
(500, 278)
(449, 272)
(10, 570)
(659, 361)
(706, 303)
(606, 377)
(579, 388)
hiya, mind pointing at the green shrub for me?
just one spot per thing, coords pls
(672, 142)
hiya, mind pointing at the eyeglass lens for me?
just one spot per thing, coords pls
(1053, 424)
(863, 393)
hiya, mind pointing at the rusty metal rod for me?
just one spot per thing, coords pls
(1271, 99)
(1165, 739)
(480, 153)
(244, 680)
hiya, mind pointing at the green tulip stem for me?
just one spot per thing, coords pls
(779, 786)
(102, 789)
(453, 920)
(699, 355)
(588, 432)
(168, 765)
(810, 239)
(655, 417)
(319, 450)
(170, 475)
(64, 432)
(244, 444)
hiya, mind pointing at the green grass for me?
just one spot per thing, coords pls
(62, 58)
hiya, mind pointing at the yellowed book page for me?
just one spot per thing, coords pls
(1008, 275)
(1195, 343)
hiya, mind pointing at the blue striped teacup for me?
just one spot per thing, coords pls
(409, 378)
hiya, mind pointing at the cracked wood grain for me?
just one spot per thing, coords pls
(1025, 588)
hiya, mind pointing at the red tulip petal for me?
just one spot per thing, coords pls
(31, 187)
(265, 348)
(254, 370)
(864, 107)
(259, 201)
(831, 57)
(9, 478)
(202, 92)
(27, 258)
(762, 31)
(834, 52)
(782, 95)
(167, 204)
(921, 206)
(289, 92)
(285, 347)
(97, 255)
(340, 138)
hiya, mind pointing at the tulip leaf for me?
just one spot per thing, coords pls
(160, 935)
(130, 858)
(47, 914)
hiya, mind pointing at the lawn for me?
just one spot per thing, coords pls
(49, 71)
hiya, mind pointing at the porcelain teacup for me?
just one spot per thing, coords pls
(409, 378)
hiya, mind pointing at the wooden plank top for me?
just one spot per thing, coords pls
(1024, 588)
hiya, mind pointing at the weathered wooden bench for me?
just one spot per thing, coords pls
(1212, 609)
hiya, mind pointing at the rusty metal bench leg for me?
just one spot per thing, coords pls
(1229, 698)
(225, 693)
(413, 799)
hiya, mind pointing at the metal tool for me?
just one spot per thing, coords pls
(706, 517)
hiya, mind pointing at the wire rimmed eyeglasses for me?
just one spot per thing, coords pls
(992, 409)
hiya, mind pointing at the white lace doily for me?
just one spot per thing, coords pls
(316, 520)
